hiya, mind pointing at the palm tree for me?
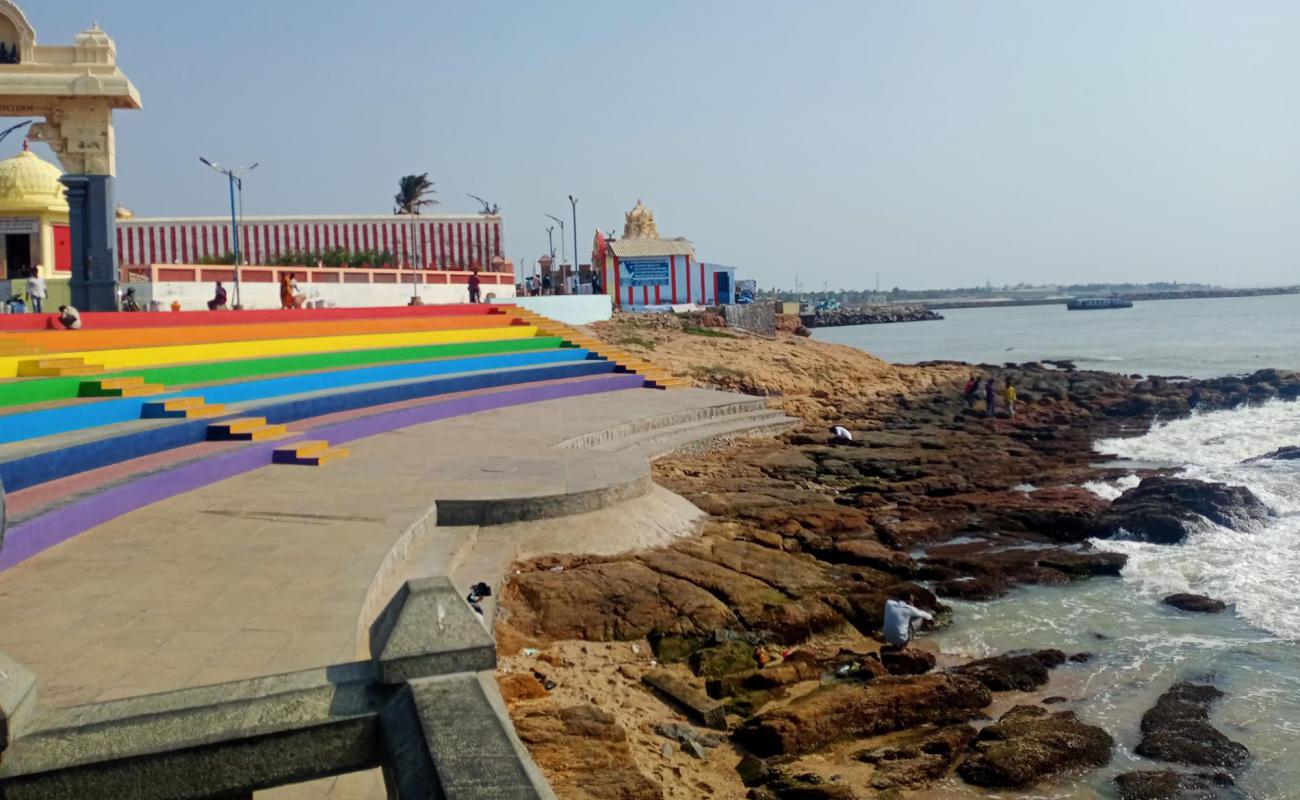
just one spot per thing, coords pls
(413, 194)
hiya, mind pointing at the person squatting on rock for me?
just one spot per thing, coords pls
(841, 434)
(901, 620)
(972, 388)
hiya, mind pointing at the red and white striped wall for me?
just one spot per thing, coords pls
(690, 281)
(459, 241)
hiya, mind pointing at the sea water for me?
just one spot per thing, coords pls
(1140, 647)
(1197, 338)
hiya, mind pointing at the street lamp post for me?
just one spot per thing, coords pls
(235, 176)
(550, 237)
(573, 201)
(563, 256)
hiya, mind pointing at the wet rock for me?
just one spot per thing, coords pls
(1195, 602)
(979, 588)
(1164, 510)
(1016, 671)
(1177, 729)
(909, 661)
(1171, 785)
(1028, 745)
(881, 706)
(918, 758)
(584, 754)
(1290, 453)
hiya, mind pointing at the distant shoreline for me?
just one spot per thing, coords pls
(1134, 296)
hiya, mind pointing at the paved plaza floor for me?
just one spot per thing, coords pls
(280, 568)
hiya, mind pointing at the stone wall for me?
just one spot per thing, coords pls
(759, 318)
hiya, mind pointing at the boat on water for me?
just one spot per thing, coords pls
(1093, 303)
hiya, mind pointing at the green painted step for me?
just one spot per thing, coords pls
(44, 390)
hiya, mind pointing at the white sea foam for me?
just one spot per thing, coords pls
(1109, 490)
(1259, 572)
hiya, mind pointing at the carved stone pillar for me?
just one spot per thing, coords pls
(91, 206)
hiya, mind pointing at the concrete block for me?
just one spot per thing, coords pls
(446, 740)
(17, 693)
(207, 743)
(428, 629)
(693, 700)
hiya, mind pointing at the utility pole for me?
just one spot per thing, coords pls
(563, 256)
(551, 240)
(573, 201)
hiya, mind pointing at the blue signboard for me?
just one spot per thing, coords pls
(644, 272)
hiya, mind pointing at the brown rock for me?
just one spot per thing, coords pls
(1178, 729)
(1013, 671)
(1027, 745)
(919, 757)
(615, 600)
(518, 687)
(1195, 602)
(584, 754)
(880, 706)
(1170, 785)
(908, 661)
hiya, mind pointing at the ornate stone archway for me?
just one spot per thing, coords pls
(75, 90)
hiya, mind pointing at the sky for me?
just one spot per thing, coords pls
(931, 144)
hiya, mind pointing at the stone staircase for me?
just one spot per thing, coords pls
(656, 377)
(131, 386)
(309, 453)
(245, 429)
(181, 408)
(56, 367)
(682, 430)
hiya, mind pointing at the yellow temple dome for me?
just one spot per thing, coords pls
(640, 223)
(30, 184)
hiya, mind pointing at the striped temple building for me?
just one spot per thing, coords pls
(435, 241)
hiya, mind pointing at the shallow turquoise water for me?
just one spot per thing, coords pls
(1146, 648)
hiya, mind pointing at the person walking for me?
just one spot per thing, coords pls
(546, 284)
(1011, 399)
(990, 398)
(36, 290)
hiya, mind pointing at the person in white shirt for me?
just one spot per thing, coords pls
(901, 620)
(36, 289)
(70, 317)
(841, 433)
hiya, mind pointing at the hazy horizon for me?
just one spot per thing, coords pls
(938, 144)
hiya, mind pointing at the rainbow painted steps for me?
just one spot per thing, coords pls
(40, 390)
(82, 340)
(655, 376)
(309, 453)
(170, 355)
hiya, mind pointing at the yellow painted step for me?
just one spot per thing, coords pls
(143, 390)
(116, 383)
(312, 453)
(183, 403)
(231, 427)
(52, 367)
(214, 410)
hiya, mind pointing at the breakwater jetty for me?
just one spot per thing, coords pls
(868, 315)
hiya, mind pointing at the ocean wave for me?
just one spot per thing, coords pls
(1109, 490)
(1259, 572)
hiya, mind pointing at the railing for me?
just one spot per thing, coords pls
(207, 273)
(419, 708)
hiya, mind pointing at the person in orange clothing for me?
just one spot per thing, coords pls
(286, 292)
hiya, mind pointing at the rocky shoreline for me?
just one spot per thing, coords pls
(770, 618)
(869, 315)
